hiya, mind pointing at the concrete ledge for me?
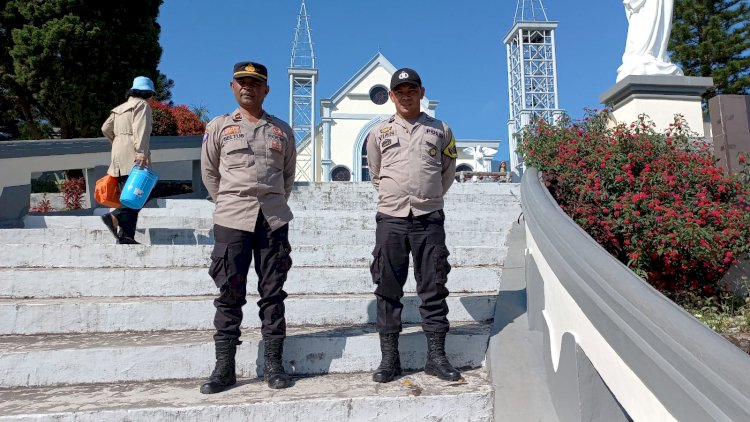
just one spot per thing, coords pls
(692, 371)
(662, 85)
(350, 397)
(104, 315)
(96, 358)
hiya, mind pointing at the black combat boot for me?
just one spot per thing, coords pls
(437, 364)
(390, 364)
(223, 375)
(273, 370)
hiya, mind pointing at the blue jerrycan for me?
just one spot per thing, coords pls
(138, 187)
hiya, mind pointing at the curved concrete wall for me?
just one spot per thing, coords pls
(617, 349)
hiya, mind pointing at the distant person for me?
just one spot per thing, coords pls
(412, 161)
(503, 167)
(248, 161)
(128, 127)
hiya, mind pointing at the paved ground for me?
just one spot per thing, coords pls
(514, 356)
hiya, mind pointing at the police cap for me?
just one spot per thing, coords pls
(251, 69)
(405, 76)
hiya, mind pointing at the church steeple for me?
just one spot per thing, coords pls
(303, 54)
(303, 76)
(532, 73)
(530, 11)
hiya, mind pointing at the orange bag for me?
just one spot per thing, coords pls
(107, 192)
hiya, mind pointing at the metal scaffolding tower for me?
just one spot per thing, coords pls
(532, 73)
(303, 76)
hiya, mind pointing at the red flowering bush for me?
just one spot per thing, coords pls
(72, 193)
(45, 205)
(177, 120)
(188, 122)
(164, 123)
(655, 201)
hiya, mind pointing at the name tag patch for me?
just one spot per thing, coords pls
(230, 130)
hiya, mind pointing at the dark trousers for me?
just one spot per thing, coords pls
(233, 252)
(424, 237)
(127, 218)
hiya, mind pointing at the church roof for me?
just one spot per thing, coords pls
(378, 60)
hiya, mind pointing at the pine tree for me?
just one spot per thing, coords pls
(66, 63)
(712, 38)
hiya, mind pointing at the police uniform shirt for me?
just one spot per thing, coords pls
(412, 167)
(249, 167)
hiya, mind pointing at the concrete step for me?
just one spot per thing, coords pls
(462, 213)
(118, 357)
(131, 282)
(154, 236)
(335, 397)
(502, 219)
(362, 202)
(335, 187)
(150, 256)
(104, 315)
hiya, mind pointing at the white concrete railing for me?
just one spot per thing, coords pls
(19, 159)
(614, 347)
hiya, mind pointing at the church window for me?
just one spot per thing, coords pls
(341, 174)
(365, 167)
(379, 95)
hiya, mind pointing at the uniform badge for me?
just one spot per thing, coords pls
(230, 130)
(433, 152)
(385, 129)
(385, 143)
(277, 145)
(237, 117)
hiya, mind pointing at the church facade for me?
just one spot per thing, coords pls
(353, 110)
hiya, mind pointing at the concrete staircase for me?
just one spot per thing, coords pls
(94, 331)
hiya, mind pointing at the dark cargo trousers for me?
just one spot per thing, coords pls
(424, 237)
(233, 252)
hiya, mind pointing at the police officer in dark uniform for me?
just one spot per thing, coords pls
(248, 162)
(412, 161)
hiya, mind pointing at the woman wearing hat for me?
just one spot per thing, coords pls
(128, 127)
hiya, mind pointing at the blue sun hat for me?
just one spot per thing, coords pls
(143, 83)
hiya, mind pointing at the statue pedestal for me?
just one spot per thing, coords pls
(660, 97)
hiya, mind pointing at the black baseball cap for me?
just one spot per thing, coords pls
(251, 69)
(405, 76)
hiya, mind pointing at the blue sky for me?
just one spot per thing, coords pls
(455, 46)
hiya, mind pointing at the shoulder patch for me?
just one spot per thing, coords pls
(450, 150)
(205, 137)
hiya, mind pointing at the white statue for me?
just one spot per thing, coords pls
(650, 22)
(482, 157)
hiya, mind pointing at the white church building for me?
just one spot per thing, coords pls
(350, 113)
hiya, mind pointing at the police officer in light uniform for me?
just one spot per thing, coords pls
(412, 161)
(248, 162)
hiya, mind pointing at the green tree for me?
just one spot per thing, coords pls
(712, 38)
(68, 62)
